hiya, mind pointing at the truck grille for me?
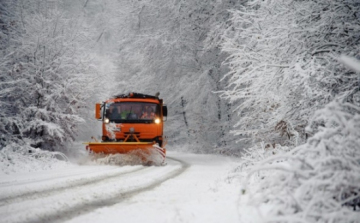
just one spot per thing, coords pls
(137, 134)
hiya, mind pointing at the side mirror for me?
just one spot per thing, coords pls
(164, 111)
(98, 111)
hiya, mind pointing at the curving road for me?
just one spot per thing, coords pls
(92, 193)
(60, 197)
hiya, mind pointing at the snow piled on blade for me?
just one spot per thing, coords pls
(155, 157)
(116, 159)
(26, 159)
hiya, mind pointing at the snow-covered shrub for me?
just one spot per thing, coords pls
(316, 182)
(259, 152)
(283, 65)
(24, 159)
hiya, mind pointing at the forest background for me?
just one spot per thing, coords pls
(270, 81)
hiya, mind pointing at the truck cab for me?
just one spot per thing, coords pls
(133, 117)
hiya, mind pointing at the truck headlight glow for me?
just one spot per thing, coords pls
(106, 120)
(157, 120)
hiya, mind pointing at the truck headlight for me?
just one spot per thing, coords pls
(157, 120)
(106, 120)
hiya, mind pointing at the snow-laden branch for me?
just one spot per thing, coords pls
(286, 49)
(320, 178)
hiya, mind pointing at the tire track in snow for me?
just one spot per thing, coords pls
(70, 211)
(62, 176)
(34, 193)
(117, 198)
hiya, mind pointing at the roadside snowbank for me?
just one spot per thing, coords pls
(27, 159)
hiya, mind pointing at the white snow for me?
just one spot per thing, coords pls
(281, 72)
(350, 62)
(200, 194)
(190, 188)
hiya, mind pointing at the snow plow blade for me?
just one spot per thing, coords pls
(146, 151)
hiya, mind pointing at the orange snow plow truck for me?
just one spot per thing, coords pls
(132, 124)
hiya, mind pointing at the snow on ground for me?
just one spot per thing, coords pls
(190, 188)
(200, 194)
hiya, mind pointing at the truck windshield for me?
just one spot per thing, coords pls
(131, 112)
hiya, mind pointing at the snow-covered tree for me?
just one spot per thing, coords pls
(315, 182)
(283, 64)
(44, 72)
(286, 73)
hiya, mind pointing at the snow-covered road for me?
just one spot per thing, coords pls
(190, 188)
